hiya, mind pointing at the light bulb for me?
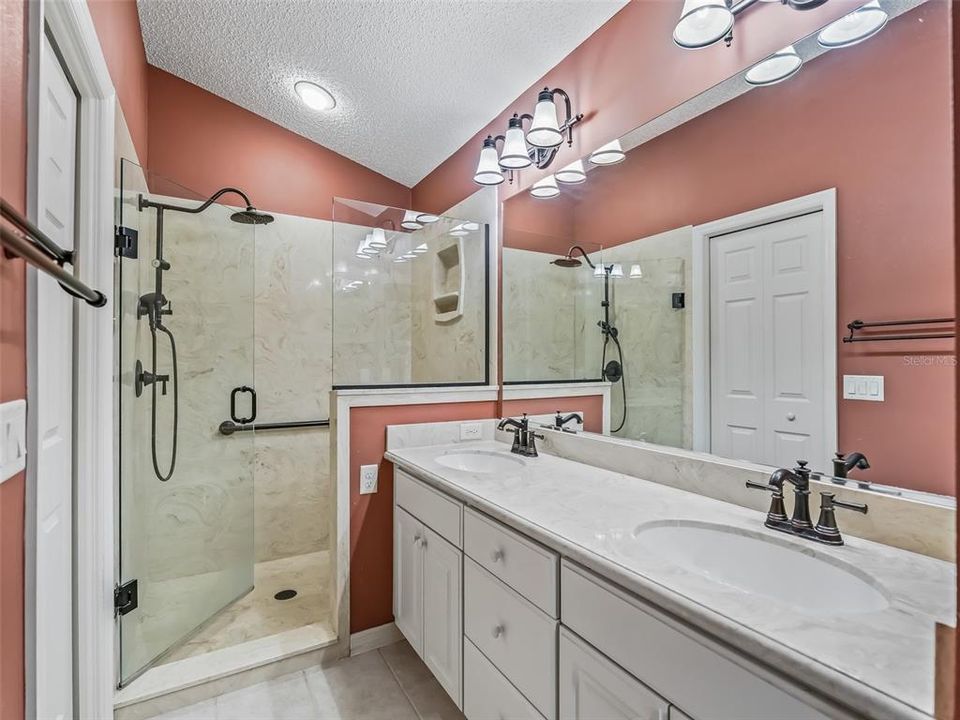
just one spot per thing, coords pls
(545, 188)
(544, 130)
(609, 154)
(778, 67)
(314, 96)
(488, 167)
(702, 23)
(572, 173)
(855, 27)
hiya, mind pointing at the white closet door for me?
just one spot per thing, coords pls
(52, 397)
(767, 343)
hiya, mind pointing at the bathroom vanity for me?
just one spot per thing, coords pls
(547, 588)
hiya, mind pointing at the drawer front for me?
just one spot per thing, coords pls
(528, 568)
(487, 694)
(429, 506)
(668, 657)
(514, 634)
(593, 687)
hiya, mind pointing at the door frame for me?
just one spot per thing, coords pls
(71, 26)
(824, 201)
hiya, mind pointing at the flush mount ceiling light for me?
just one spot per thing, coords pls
(855, 27)
(609, 154)
(411, 221)
(705, 22)
(778, 67)
(538, 147)
(314, 96)
(545, 188)
(572, 174)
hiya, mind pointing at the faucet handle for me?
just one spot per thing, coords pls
(826, 529)
(777, 513)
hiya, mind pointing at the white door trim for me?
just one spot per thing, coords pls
(72, 28)
(825, 201)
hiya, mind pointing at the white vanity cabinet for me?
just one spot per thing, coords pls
(428, 580)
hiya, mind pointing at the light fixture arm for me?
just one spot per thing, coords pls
(572, 119)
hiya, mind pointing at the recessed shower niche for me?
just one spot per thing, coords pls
(448, 282)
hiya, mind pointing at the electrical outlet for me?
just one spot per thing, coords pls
(368, 479)
(13, 438)
(470, 431)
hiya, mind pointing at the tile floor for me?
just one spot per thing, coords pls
(386, 684)
(258, 614)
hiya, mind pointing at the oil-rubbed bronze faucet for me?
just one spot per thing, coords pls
(524, 439)
(826, 530)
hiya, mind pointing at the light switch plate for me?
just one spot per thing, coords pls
(863, 387)
(368, 479)
(470, 431)
(13, 438)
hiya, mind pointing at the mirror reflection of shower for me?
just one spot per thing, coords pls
(611, 371)
(155, 305)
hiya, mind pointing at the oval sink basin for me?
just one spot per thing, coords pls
(480, 461)
(755, 564)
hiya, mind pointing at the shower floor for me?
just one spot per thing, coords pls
(258, 614)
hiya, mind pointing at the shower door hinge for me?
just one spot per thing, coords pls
(125, 242)
(125, 597)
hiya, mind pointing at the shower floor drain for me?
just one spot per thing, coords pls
(285, 595)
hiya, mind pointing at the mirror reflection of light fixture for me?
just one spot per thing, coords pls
(778, 67)
(572, 174)
(377, 239)
(515, 154)
(545, 188)
(488, 168)
(471, 226)
(427, 218)
(636, 272)
(609, 154)
(855, 27)
(600, 270)
(459, 231)
(616, 270)
(420, 249)
(411, 221)
(702, 23)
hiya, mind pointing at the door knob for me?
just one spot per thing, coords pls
(791, 416)
(497, 631)
(496, 555)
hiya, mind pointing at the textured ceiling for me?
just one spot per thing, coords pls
(413, 79)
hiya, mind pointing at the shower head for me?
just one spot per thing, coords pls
(251, 216)
(566, 262)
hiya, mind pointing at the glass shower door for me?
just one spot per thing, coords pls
(185, 334)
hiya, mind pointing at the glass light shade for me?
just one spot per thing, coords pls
(427, 218)
(572, 173)
(609, 154)
(411, 221)
(420, 249)
(471, 226)
(702, 23)
(545, 188)
(459, 231)
(377, 239)
(488, 169)
(636, 271)
(616, 270)
(514, 155)
(544, 130)
(857, 26)
(778, 67)
(314, 96)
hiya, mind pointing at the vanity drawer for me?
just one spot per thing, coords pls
(487, 694)
(429, 506)
(527, 567)
(514, 634)
(707, 680)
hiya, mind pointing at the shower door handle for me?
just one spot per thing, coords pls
(233, 405)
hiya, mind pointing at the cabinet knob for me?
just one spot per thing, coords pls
(498, 631)
(417, 539)
(791, 416)
(496, 555)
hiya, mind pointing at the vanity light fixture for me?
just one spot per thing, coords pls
(411, 220)
(780, 66)
(488, 168)
(572, 174)
(609, 154)
(515, 155)
(544, 129)
(855, 27)
(705, 22)
(545, 188)
(636, 272)
(314, 96)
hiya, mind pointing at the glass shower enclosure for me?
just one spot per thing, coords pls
(185, 364)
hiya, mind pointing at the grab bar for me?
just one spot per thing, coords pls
(27, 241)
(229, 427)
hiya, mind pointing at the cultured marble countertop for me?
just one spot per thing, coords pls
(880, 663)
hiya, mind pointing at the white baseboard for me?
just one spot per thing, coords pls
(373, 638)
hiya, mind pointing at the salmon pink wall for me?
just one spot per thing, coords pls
(118, 29)
(371, 516)
(13, 180)
(874, 121)
(626, 73)
(203, 142)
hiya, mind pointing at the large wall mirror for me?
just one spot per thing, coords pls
(710, 275)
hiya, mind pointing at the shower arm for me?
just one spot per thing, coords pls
(583, 253)
(144, 203)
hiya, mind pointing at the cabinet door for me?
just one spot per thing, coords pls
(408, 537)
(442, 628)
(593, 688)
